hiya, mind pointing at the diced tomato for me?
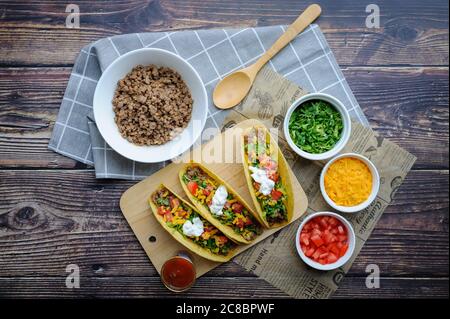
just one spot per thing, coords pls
(333, 221)
(304, 238)
(248, 222)
(221, 240)
(237, 207)
(316, 232)
(323, 222)
(316, 255)
(207, 190)
(310, 252)
(335, 250)
(192, 187)
(256, 186)
(324, 255)
(162, 211)
(317, 240)
(273, 175)
(343, 250)
(174, 202)
(322, 250)
(334, 239)
(271, 165)
(327, 236)
(168, 217)
(276, 195)
(324, 239)
(239, 223)
(331, 258)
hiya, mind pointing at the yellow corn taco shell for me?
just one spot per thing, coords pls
(205, 212)
(283, 172)
(193, 247)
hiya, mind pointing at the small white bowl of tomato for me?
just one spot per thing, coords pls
(325, 240)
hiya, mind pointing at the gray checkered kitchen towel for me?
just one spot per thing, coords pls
(307, 61)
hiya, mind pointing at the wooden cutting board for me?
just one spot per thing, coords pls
(157, 243)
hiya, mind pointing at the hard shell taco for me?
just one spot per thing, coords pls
(220, 204)
(267, 175)
(188, 227)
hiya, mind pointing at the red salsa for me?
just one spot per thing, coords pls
(178, 273)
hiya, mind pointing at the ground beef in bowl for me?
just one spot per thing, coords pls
(152, 105)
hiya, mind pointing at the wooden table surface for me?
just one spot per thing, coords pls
(53, 212)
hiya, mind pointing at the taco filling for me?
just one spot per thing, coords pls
(179, 216)
(222, 204)
(266, 180)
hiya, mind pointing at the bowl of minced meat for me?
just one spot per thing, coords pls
(150, 105)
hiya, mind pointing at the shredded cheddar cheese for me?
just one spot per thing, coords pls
(348, 182)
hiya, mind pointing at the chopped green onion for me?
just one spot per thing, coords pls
(315, 126)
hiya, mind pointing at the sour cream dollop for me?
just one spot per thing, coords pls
(260, 176)
(194, 228)
(218, 201)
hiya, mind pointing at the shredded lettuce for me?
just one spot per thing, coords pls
(315, 126)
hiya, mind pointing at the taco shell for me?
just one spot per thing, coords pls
(284, 174)
(193, 247)
(206, 213)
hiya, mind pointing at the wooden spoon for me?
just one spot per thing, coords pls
(233, 88)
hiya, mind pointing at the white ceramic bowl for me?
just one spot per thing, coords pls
(341, 261)
(104, 114)
(375, 184)
(345, 132)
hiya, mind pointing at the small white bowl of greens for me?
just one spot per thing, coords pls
(317, 126)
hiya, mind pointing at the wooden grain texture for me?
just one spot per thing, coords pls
(29, 103)
(34, 33)
(242, 287)
(49, 219)
(407, 105)
(52, 217)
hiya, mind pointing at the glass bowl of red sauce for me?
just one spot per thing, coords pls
(325, 240)
(178, 273)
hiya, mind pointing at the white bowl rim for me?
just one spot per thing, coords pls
(373, 193)
(347, 123)
(341, 261)
(102, 129)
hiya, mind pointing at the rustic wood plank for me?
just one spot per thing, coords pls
(29, 104)
(51, 218)
(409, 106)
(216, 288)
(352, 287)
(413, 34)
